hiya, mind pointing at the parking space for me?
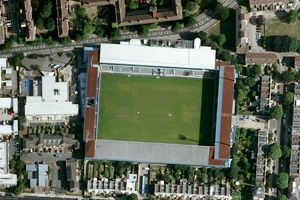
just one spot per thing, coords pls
(250, 122)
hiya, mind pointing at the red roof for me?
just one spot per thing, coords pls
(226, 115)
(211, 160)
(93, 57)
(91, 87)
(89, 122)
(90, 148)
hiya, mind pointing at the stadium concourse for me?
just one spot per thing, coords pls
(136, 58)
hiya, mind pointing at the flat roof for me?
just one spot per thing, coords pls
(149, 152)
(224, 113)
(91, 86)
(126, 54)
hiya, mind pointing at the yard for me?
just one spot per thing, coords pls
(278, 27)
(164, 110)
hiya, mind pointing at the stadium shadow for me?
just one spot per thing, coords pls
(208, 106)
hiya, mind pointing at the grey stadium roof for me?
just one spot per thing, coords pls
(152, 152)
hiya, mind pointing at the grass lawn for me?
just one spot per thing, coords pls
(144, 108)
(278, 27)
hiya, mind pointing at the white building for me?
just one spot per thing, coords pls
(53, 105)
(6, 179)
(5, 76)
(8, 110)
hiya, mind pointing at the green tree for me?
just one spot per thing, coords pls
(87, 29)
(50, 24)
(287, 76)
(115, 33)
(274, 151)
(17, 59)
(250, 81)
(40, 23)
(176, 27)
(286, 151)
(221, 39)
(282, 180)
(46, 10)
(222, 12)
(189, 21)
(282, 197)
(132, 197)
(66, 40)
(292, 16)
(100, 31)
(133, 5)
(234, 169)
(241, 96)
(276, 112)
(288, 98)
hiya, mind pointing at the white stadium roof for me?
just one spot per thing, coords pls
(126, 54)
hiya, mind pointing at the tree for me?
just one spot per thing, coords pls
(189, 21)
(100, 31)
(274, 151)
(50, 24)
(286, 151)
(282, 197)
(241, 96)
(282, 180)
(221, 39)
(40, 23)
(287, 76)
(292, 16)
(222, 12)
(46, 10)
(276, 112)
(133, 5)
(288, 98)
(132, 197)
(250, 81)
(115, 33)
(234, 169)
(87, 29)
(17, 59)
(176, 27)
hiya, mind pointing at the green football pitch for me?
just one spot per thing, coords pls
(148, 109)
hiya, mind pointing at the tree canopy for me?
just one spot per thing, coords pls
(286, 151)
(292, 16)
(46, 10)
(133, 5)
(222, 12)
(189, 21)
(132, 197)
(282, 180)
(274, 151)
(288, 98)
(50, 24)
(282, 197)
(276, 112)
(17, 59)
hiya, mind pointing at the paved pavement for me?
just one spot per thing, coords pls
(250, 122)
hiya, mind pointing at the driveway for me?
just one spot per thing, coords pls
(250, 122)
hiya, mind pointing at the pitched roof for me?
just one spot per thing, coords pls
(260, 58)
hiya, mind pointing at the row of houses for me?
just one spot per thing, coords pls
(195, 191)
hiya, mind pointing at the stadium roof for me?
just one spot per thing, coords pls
(128, 54)
(149, 152)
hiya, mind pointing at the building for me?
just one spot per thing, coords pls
(8, 78)
(256, 5)
(49, 143)
(8, 112)
(260, 58)
(53, 105)
(73, 175)
(2, 25)
(6, 178)
(297, 62)
(295, 152)
(150, 14)
(260, 175)
(192, 191)
(37, 175)
(265, 92)
(29, 22)
(119, 185)
(62, 7)
(242, 30)
(136, 58)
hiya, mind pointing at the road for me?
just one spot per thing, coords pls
(203, 22)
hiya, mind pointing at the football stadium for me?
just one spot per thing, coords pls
(156, 104)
